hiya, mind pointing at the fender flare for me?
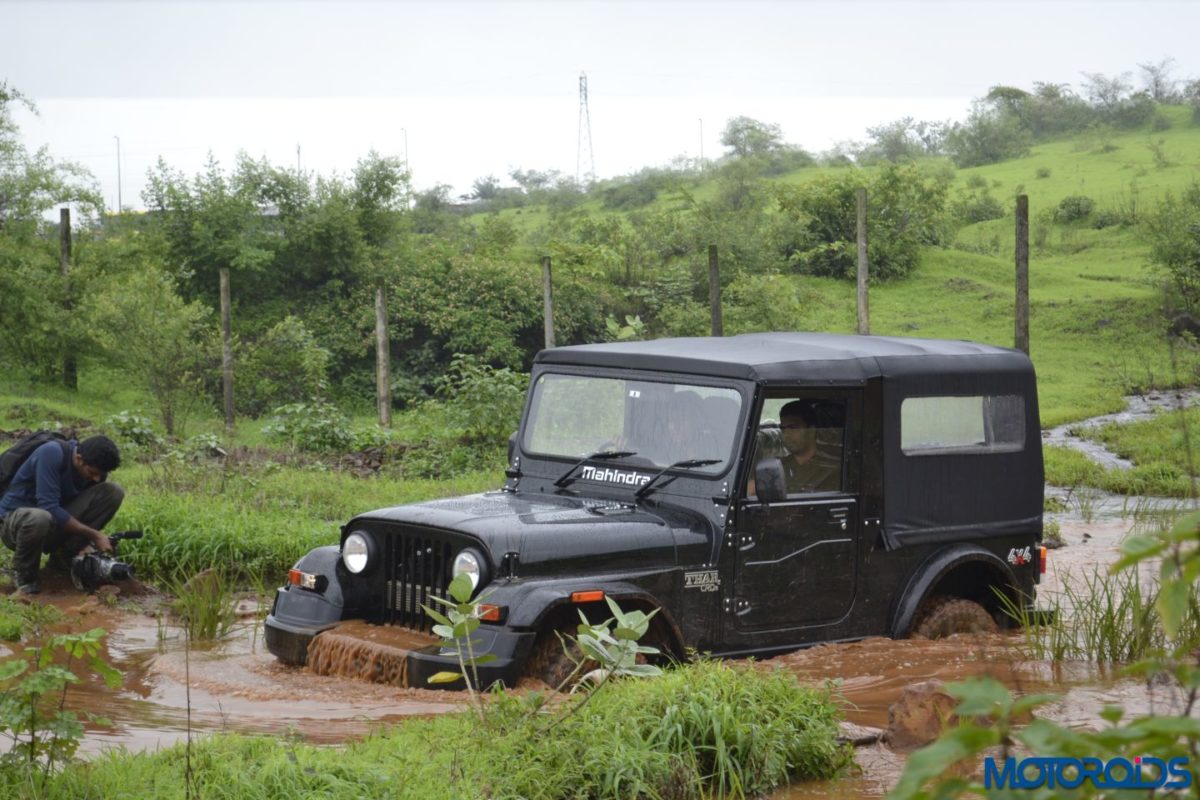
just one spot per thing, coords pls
(543, 601)
(931, 571)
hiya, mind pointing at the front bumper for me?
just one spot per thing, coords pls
(288, 641)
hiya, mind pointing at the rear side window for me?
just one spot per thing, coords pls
(978, 424)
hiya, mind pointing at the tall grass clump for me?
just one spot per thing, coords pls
(1102, 617)
(705, 730)
(205, 603)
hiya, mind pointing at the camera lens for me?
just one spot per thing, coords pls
(121, 571)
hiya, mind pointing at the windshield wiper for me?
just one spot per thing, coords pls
(599, 455)
(690, 463)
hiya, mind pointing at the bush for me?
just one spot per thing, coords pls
(484, 402)
(284, 364)
(319, 427)
(1074, 208)
(971, 207)
(906, 210)
(1043, 172)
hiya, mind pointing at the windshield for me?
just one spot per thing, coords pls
(662, 423)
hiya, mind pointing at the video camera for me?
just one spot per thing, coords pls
(89, 571)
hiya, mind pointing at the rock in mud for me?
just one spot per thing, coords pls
(858, 735)
(923, 711)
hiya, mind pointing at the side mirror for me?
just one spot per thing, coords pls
(512, 446)
(769, 482)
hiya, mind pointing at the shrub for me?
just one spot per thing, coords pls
(320, 427)
(1043, 172)
(133, 429)
(482, 401)
(1074, 208)
(978, 206)
(284, 364)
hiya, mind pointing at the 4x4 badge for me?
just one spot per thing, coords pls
(707, 581)
(1020, 556)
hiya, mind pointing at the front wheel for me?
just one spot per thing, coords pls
(554, 657)
(944, 616)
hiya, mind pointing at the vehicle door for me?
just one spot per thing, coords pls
(796, 562)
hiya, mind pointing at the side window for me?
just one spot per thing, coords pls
(808, 436)
(974, 424)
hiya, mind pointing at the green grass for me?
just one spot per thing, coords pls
(1104, 618)
(255, 521)
(703, 730)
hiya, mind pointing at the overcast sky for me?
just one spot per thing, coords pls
(479, 88)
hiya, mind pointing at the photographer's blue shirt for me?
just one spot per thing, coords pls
(46, 480)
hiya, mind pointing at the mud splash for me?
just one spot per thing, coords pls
(368, 652)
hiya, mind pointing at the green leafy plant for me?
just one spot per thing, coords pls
(461, 620)
(318, 426)
(483, 401)
(33, 709)
(133, 429)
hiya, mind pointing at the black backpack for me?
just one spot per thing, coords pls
(12, 458)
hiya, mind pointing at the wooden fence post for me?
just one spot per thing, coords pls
(1021, 334)
(714, 291)
(864, 311)
(547, 302)
(383, 352)
(227, 349)
(70, 370)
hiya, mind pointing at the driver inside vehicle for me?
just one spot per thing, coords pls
(808, 453)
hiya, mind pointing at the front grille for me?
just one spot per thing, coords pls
(418, 569)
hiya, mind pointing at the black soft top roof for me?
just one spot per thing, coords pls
(771, 357)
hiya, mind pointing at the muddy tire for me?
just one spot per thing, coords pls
(553, 659)
(945, 616)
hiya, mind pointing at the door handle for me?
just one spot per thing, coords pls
(839, 517)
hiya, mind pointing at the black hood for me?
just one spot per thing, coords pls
(560, 530)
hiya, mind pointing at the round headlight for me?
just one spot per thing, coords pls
(356, 552)
(467, 562)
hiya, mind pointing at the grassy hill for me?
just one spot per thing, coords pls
(1096, 327)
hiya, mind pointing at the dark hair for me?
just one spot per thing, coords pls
(99, 452)
(802, 409)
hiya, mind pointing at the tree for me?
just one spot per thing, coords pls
(903, 140)
(159, 338)
(748, 137)
(1106, 93)
(1174, 234)
(989, 135)
(1156, 78)
(33, 183)
(485, 188)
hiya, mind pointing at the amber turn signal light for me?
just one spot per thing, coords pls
(587, 597)
(491, 613)
(1042, 560)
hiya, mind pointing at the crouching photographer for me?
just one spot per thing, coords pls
(58, 500)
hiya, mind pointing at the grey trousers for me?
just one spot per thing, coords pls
(29, 532)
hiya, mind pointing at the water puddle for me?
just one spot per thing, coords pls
(234, 685)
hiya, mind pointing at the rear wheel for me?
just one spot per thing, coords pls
(944, 616)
